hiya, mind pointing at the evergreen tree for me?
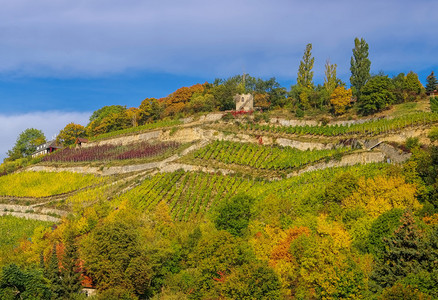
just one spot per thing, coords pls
(432, 83)
(70, 272)
(305, 73)
(405, 253)
(52, 273)
(360, 66)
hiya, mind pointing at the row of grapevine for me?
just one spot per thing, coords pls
(263, 157)
(13, 230)
(188, 194)
(371, 128)
(44, 184)
(111, 152)
(145, 127)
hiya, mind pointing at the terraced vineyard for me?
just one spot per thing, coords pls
(372, 128)
(264, 157)
(12, 230)
(44, 184)
(111, 152)
(188, 194)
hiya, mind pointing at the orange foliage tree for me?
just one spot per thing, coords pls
(177, 101)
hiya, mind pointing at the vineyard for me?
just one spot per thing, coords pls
(264, 157)
(188, 194)
(12, 230)
(44, 184)
(372, 128)
(111, 152)
(131, 130)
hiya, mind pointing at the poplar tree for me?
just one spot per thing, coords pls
(360, 66)
(305, 73)
(330, 79)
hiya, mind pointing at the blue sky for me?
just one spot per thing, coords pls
(65, 59)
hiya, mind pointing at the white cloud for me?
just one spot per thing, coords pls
(50, 123)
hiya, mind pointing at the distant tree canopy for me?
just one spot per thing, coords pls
(26, 143)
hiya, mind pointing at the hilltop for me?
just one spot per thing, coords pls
(230, 204)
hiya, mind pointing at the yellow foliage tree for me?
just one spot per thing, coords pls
(380, 194)
(340, 98)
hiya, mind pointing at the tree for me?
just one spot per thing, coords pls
(70, 133)
(340, 98)
(70, 273)
(405, 253)
(233, 214)
(305, 73)
(380, 194)
(23, 284)
(26, 143)
(432, 82)
(376, 94)
(108, 118)
(330, 80)
(360, 66)
(150, 110)
(52, 273)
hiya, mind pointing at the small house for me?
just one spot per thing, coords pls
(46, 148)
(79, 141)
(244, 102)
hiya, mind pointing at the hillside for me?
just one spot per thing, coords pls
(236, 206)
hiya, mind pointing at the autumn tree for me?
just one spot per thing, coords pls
(177, 101)
(150, 110)
(305, 73)
(108, 118)
(70, 133)
(340, 99)
(380, 194)
(26, 143)
(330, 80)
(432, 83)
(133, 114)
(359, 66)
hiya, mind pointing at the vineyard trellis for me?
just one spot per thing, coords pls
(111, 152)
(44, 184)
(187, 194)
(263, 157)
(371, 128)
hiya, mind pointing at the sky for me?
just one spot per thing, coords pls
(61, 60)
